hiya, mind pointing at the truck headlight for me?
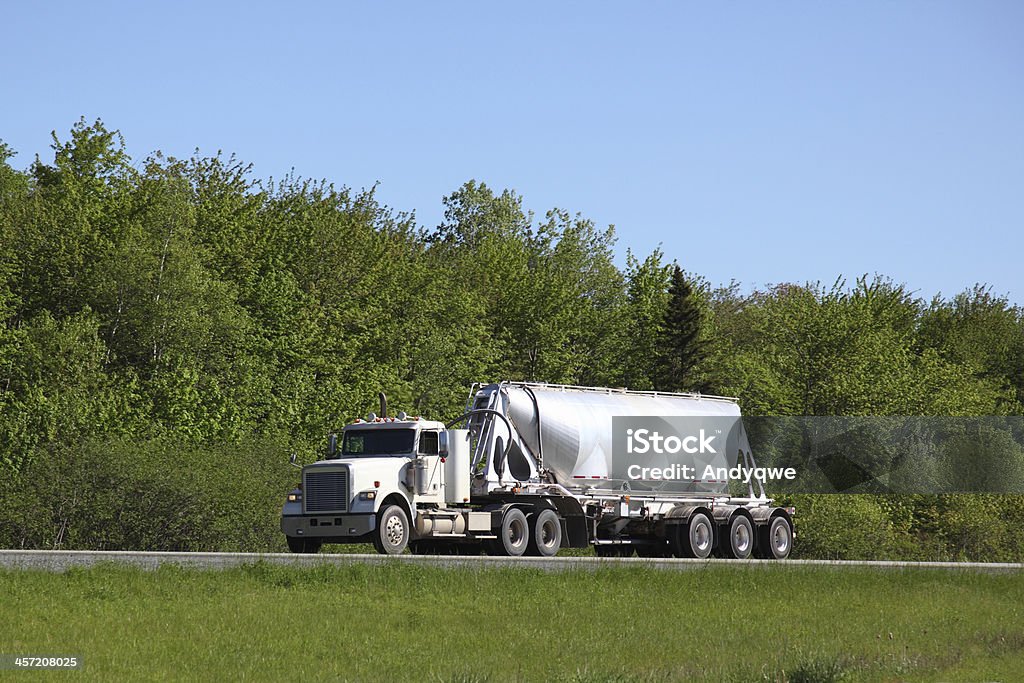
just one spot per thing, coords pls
(367, 495)
(294, 497)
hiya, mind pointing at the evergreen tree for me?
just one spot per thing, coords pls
(681, 348)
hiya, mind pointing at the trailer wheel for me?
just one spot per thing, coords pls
(514, 534)
(741, 538)
(392, 533)
(304, 545)
(545, 534)
(775, 540)
(697, 539)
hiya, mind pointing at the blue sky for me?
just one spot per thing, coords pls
(763, 142)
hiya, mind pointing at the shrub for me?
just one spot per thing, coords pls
(155, 495)
(842, 527)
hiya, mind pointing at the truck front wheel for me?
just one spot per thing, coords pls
(392, 534)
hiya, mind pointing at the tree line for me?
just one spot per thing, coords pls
(182, 301)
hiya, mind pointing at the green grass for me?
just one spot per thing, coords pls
(419, 623)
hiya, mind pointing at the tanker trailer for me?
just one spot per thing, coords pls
(648, 469)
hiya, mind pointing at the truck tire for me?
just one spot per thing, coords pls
(545, 534)
(775, 539)
(304, 545)
(514, 534)
(392, 533)
(738, 543)
(697, 538)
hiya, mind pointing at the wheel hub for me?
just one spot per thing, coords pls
(394, 530)
(781, 539)
(742, 538)
(701, 537)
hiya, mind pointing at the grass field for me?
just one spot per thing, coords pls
(418, 623)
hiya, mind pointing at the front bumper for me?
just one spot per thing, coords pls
(328, 526)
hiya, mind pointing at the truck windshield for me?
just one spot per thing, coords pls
(368, 442)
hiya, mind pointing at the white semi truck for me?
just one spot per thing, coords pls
(531, 468)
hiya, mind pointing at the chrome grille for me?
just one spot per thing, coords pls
(325, 491)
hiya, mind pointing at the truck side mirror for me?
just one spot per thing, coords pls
(442, 443)
(332, 445)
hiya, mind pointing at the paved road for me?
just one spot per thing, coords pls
(60, 560)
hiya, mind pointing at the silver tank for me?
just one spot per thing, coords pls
(568, 433)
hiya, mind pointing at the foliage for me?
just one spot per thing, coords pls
(681, 347)
(845, 527)
(647, 284)
(118, 494)
(927, 528)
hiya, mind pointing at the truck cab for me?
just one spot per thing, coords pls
(372, 482)
(380, 465)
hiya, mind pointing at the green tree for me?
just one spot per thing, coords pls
(852, 352)
(983, 333)
(681, 344)
(550, 295)
(646, 302)
(56, 392)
